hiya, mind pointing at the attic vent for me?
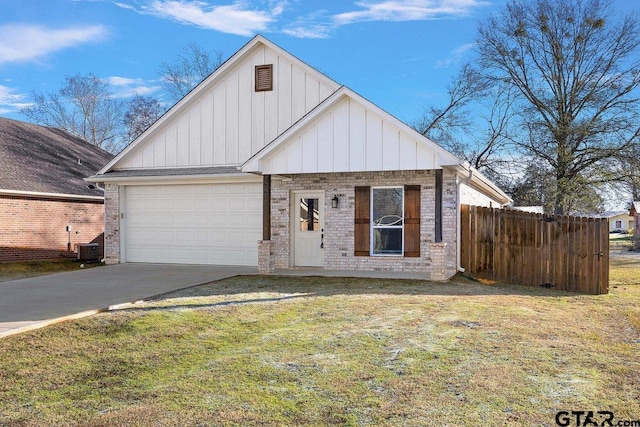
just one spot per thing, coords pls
(264, 77)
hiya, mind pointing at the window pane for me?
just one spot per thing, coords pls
(387, 241)
(309, 215)
(387, 206)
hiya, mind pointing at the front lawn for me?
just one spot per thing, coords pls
(330, 351)
(24, 269)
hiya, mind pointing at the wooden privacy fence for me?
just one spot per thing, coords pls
(561, 252)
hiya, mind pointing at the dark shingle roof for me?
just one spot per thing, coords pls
(46, 160)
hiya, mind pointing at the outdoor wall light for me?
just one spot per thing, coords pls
(335, 201)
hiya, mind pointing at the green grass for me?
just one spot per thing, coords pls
(330, 351)
(24, 269)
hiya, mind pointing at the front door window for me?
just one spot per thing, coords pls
(309, 215)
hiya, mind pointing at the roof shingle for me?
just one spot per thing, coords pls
(46, 160)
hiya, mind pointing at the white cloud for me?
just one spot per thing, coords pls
(125, 87)
(124, 5)
(407, 10)
(320, 24)
(308, 32)
(10, 101)
(455, 56)
(235, 18)
(23, 43)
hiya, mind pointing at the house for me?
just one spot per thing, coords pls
(619, 221)
(635, 221)
(270, 163)
(46, 207)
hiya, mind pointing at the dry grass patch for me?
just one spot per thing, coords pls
(327, 351)
(24, 269)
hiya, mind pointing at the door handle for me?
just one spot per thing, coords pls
(322, 238)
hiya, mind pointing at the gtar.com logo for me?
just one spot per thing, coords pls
(591, 418)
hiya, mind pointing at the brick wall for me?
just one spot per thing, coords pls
(35, 228)
(437, 260)
(112, 224)
(471, 196)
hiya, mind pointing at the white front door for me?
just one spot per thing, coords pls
(308, 229)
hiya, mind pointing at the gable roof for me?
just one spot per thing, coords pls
(206, 85)
(39, 159)
(321, 142)
(397, 146)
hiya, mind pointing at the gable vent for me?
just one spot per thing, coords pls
(264, 77)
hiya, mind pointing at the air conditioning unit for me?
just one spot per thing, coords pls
(87, 252)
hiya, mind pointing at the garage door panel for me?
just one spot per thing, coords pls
(219, 220)
(193, 224)
(201, 220)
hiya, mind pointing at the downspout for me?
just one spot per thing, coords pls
(460, 181)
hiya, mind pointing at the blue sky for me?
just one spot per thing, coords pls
(400, 54)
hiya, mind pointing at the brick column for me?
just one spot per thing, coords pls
(112, 224)
(438, 258)
(266, 260)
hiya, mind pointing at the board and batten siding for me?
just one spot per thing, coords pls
(229, 122)
(350, 137)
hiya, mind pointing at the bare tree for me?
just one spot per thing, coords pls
(440, 123)
(142, 112)
(83, 107)
(577, 74)
(474, 123)
(193, 65)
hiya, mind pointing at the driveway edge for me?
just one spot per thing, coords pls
(31, 326)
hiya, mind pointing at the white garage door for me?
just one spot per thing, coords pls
(193, 224)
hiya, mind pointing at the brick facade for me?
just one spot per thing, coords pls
(35, 228)
(266, 262)
(437, 259)
(471, 196)
(112, 223)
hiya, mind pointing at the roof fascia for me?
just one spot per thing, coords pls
(37, 194)
(204, 85)
(182, 179)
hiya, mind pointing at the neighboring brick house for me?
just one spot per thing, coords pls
(635, 213)
(270, 163)
(42, 192)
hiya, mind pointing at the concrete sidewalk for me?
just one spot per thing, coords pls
(39, 301)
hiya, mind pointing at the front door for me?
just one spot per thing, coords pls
(308, 229)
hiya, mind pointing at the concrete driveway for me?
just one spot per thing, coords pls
(37, 301)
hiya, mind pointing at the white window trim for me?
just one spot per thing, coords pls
(372, 226)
